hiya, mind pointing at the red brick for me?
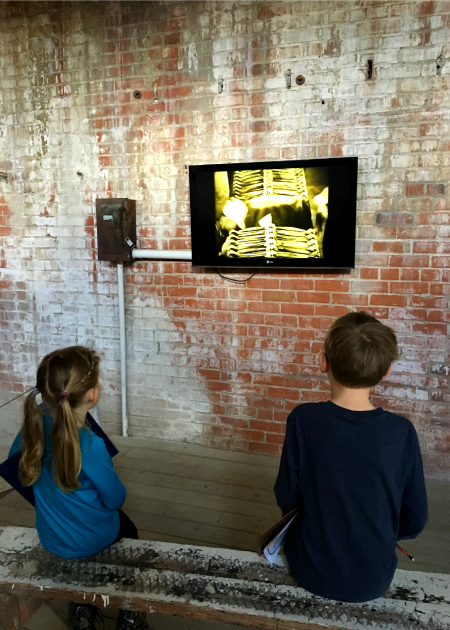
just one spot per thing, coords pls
(263, 425)
(409, 287)
(297, 309)
(264, 282)
(268, 449)
(263, 307)
(283, 393)
(434, 218)
(250, 318)
(389, 274)
(280, 320)
(274, 438)
(409, 274)
(440, 262)
(438, 288)
(414, 190)
(350, 299)
(368, 273)
(331, 310)
(266, 415)
(210, 375)
(331, 285)
(409, 261)
(244, 294)
(434, 302)
(430, 329)
(388, 300)
(278, 296)
(425, 247)
(430, 275)
(234, 422)
(312, 297)
(397, 247)
(250, 434)
(296, 284)
(435, 189)
(425, 232)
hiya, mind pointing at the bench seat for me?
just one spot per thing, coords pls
(234, 587)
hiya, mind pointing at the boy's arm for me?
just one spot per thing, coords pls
(414, 510)
(286, 486)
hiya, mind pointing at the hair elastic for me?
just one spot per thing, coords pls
(63, 393)
(35, 391)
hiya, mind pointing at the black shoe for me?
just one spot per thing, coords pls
(131, 620)
(85, 616)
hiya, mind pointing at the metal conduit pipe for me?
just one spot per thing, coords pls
(166, 254)
(123, 350)
(154, 254)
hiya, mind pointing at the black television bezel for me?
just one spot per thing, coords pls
(347, 232)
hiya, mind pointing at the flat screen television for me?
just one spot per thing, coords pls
(290, 213)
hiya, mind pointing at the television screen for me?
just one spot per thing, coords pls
(296, 213)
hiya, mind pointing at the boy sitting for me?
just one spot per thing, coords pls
(354, 471)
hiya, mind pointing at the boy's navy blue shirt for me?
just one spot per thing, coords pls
(358, 481)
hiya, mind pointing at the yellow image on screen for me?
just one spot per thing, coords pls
(271, 213)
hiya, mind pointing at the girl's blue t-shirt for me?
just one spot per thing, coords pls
(82, 522)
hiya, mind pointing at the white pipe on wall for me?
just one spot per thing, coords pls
(166, 254)
(169, 254)
(123, 352)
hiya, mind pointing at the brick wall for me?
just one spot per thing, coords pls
(209, 361)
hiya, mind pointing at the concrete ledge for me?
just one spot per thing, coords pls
(217, 584)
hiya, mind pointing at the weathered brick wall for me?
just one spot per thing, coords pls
(212, 362)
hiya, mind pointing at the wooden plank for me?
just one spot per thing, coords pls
(14, 499)
(196, 450)
(145, 534)
(217, 536)
(202, 462)
(15, 516)
(438, 487)
(260, 622)
(206, 516)
(200, 499)
(15, 610)
(236, 474)
(263, 497)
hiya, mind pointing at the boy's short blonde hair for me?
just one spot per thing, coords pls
(360, 350)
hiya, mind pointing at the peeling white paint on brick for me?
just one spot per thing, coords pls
(67, 105)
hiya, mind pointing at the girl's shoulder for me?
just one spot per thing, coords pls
(91, 443)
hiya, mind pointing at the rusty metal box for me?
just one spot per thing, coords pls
(116, 229)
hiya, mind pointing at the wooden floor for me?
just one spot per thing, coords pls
(197, 495)
(203, 496)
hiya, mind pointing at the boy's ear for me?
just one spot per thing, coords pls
(388, 372)
(323, 363)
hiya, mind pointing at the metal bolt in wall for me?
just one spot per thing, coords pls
(288, 78)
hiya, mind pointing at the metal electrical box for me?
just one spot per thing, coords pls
(116, 229)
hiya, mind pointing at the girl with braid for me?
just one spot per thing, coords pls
(78, 494)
